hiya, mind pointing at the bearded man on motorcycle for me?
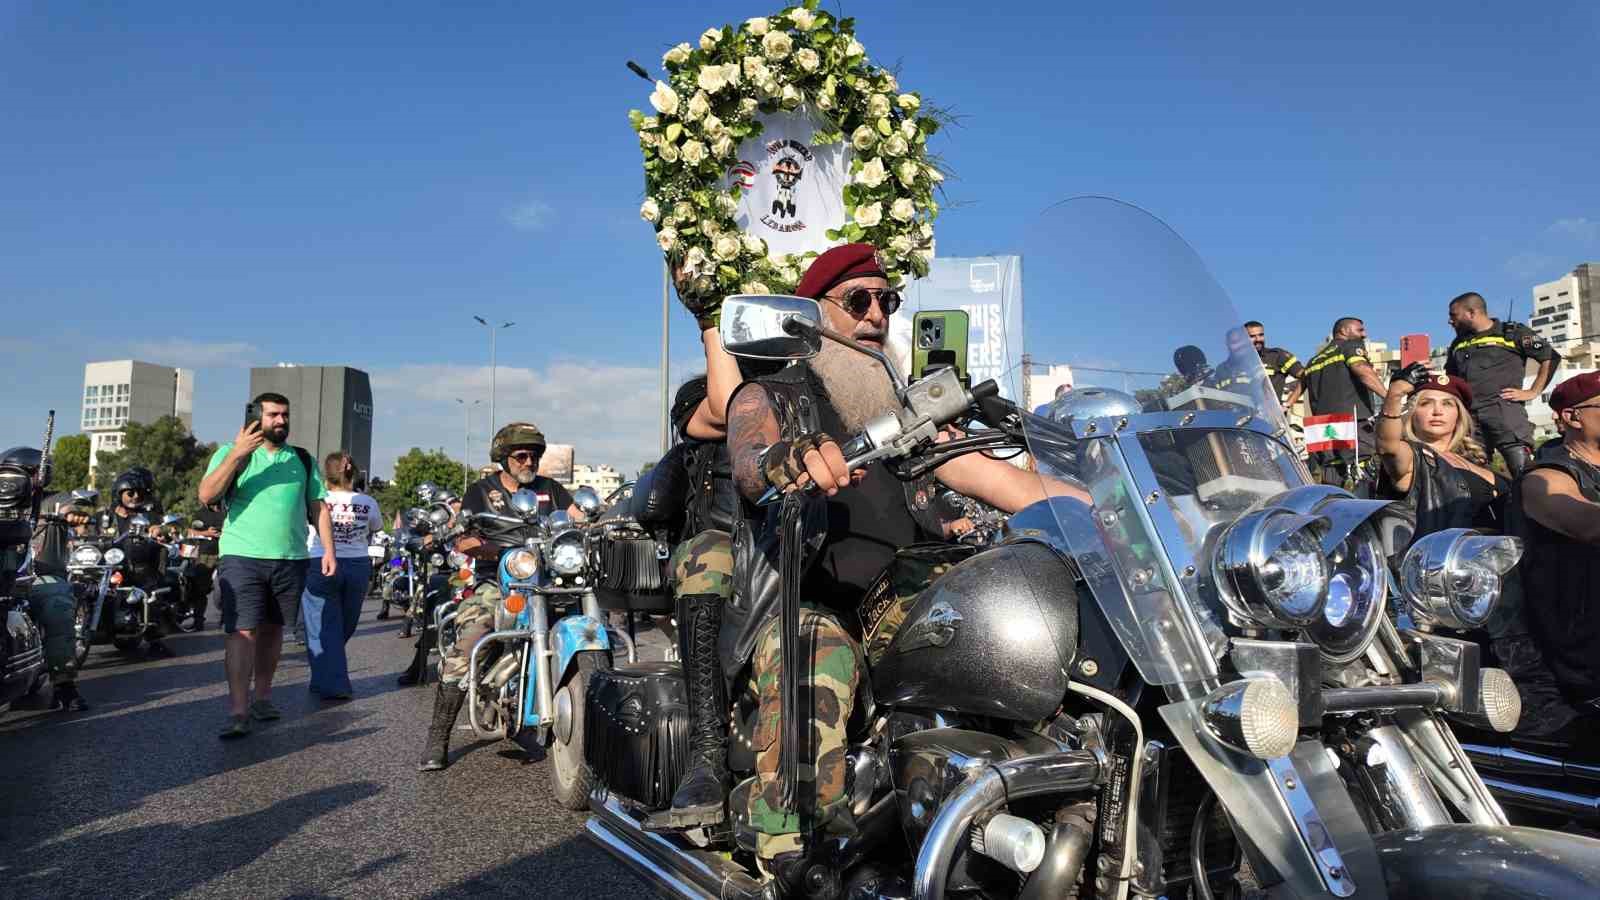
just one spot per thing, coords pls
(517, 448)
(870, 516)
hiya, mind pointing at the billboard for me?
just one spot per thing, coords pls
(989, 290)
(557, 462)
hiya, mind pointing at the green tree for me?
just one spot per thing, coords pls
(71, 463)
(644, 469)
(412, 469)
(170, 452)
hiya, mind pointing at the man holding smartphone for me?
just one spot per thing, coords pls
(271, 490)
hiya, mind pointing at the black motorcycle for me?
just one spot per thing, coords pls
(24, 474)
(127, 589)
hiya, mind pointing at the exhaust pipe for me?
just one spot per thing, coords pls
(689, 874)
(1548, 800)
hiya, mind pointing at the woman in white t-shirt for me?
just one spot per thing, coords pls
(330, 606)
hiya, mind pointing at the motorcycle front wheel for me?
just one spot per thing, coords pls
(573, 780)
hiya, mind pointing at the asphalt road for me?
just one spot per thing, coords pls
(137, 797)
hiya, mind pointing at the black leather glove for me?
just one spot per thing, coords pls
(784, 462)
(1414, 374)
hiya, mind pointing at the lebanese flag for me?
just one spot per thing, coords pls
(1335, 431)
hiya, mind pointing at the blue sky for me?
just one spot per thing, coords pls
(215, 185)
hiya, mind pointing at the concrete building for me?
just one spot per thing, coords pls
(330, 407)
(603, 478)
(121, 391)
(1566, 312)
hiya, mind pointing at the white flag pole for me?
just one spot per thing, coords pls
(1355, 415)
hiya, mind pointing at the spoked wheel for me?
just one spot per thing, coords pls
(82, 640)
(573, 779)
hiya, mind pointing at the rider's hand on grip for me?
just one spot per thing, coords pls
(811, 459)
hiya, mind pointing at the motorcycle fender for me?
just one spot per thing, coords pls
(571, 636)
(1487, 861)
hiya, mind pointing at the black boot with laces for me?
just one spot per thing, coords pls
(701, 798)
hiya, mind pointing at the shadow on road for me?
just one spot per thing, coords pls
(577, 863)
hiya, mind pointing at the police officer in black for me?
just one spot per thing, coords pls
(1341, 380)
(1492, 356)
(1281, 365)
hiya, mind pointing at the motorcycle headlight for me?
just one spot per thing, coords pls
(1357, 592)
(86, 555)
(459, 560)
(115, 556)
(567, 556)
(436, 560)
(522, 564)
(1454, 577)
(1269, 568)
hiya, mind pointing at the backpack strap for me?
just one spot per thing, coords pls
(306, 462)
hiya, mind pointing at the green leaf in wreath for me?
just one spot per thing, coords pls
(636, 119)
(673, 132)
(885, 127)
(927, 125)
(822, 37)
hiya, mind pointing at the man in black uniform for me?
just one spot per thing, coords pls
(204, 529)
(1492, 356)
(1281, 365)
(131, 496)
(1341, 380)
(517, 448)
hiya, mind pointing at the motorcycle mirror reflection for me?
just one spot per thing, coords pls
(86, 496)
(525, 501)
(171, 519)
(771, 326)
(587, 499)
(140, 521)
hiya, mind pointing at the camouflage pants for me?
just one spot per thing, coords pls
(703, 565)
(474, 619)
(54, 609)
(889, 600)
(827, 697)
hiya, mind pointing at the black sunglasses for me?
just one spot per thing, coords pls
(859, 300)
(524, 456)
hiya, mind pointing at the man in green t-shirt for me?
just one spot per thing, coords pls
(271, 490)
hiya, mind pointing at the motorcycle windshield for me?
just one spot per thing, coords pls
(1150, 403)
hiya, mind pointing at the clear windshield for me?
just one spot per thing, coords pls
(1152, 403)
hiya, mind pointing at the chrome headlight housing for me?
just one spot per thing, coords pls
(459, 560)
(86, 555)
(522, 564)
(1357, 593)
(567, 554)
(1454, 577)
(436, 560)
(1270, 569)
(115, 556)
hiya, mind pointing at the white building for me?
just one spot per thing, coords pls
(122, 391)
(603, 478)
(1566, 312)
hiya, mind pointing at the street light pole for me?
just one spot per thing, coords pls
(466, 443)
(492, 367)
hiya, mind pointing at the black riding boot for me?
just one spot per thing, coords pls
(67, 699)
(1518, 457)
(702, 795)
(419, 662)
(446, 704)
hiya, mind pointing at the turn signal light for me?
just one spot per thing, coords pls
(116, 577)
(516, 603)
(465, 574)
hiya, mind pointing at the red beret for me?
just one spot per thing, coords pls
(1575, 390)
(841, 263)
(1445, 384)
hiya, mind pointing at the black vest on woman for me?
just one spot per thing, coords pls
(1444, 496)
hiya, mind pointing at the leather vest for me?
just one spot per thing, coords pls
(1561, 582)
(1441, 495)
(713, 498)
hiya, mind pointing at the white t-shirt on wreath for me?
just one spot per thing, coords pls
(355, 517)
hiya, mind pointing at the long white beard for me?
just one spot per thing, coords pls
(856, 384)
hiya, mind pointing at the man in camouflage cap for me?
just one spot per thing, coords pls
(516, 448)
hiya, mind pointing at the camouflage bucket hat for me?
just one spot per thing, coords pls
(516, 434)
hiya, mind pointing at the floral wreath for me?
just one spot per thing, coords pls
(707, 107)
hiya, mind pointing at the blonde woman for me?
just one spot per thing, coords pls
(1429, 457)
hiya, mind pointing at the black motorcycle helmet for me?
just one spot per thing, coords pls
(130, 480)
(22, 457)
(147, 477)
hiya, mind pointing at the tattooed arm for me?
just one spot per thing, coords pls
(753, 427)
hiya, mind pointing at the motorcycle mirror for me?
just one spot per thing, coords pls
(85, 495)
(771, 326)
(139, 521)
(171, 519)
(525, 501)
(438, 514)
(587, 499)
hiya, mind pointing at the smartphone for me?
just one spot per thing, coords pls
(938, 338)
(1414, 348)
(252, 413)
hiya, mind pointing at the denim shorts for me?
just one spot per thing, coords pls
(255, 592)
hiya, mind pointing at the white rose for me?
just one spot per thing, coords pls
(925, 254)
(648, 123)
(908, 129)
(896, 146)
(748, 106)
(873, 173)
(755, 245)
(909, 102)
(788, 274)
(711, 79)
(808, 59)
(790, 96)
(755, 68)
(664, 99)
(877, 106)
(708, 41)
(650, 211)
(803, 18)
(776, 45)
(755, 287)
(854, 48)
(723, 147)
(926, 231)
(900, 244)
(669, 152)
(708, 228)
(863, 137)
(888, 83)
(694, 259)
(769, 88)
(730, 73)
(699, 105)
(726, 247)
(694, 152)
(677, 55)
(667, 239)
(726, 204)
(906, 171)
(824, 102)
(903, 210)
(758, 26)
(869, 215)
(712, 125)
(683, 211)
